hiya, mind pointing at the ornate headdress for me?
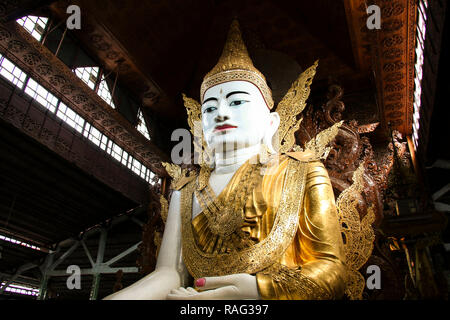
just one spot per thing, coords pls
(235, 65)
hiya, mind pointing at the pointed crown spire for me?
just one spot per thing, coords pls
(235, 64)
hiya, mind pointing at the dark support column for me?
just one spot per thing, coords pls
(44, 271)
(100, 256)
(43, 287)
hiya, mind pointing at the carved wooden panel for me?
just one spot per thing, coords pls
(351, 148)
(37, 61)
(111, 53)
(390, 53)
(46, 128)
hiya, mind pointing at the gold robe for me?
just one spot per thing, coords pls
(291, 259)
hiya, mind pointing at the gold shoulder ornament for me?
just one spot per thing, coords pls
(194, 113)
(358, 234)
(319, 145)
(291, 106)
(180, 177)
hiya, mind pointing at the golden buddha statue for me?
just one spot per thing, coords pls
(253, 223)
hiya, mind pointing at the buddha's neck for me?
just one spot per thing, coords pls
(230, 161)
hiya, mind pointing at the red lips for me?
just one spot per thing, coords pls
(224, 127)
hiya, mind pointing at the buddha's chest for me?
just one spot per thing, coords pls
(217, 183)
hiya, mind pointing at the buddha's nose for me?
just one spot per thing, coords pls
(221, 118)
(223, 111)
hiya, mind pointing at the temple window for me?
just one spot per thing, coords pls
(420, 40)
(116, 152)
(143, 172)
(136, 167)
(45, 98)
(88, 75)
(41, 95)
(70, 117)
(93, 134)
(18, 242)
(104, 93)
(130, 162)
(124, 158)
(20, 289)
(11, 72)
(34, 25)
(95, 79)
(142, 125)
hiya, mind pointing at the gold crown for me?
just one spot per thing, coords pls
(235, 65)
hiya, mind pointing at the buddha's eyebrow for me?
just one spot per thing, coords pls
(209, 99)
(235, 92)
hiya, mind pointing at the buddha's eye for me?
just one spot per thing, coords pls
(209, 109)
(237, 102)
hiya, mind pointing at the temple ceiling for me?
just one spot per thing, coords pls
(161, 49)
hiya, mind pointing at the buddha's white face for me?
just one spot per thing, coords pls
(235, 116)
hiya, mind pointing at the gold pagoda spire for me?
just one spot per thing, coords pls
(235, 64)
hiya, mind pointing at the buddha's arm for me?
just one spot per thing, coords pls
(317, 249)
(170, 271)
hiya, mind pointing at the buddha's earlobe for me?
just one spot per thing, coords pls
(274, 120)
(274, 123)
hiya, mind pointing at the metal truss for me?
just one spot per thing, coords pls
(49, 269)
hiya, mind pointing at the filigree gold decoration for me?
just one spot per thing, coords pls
(259, 256)
(319, 144)
(203, 177)
(235, 64)
(194, 112)
(291, 106)
(175, 172)
(357, 233)
(225, 215)
(355, 284)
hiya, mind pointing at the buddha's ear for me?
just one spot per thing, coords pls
(274, 123)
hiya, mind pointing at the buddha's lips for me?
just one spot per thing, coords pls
(224, 127)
